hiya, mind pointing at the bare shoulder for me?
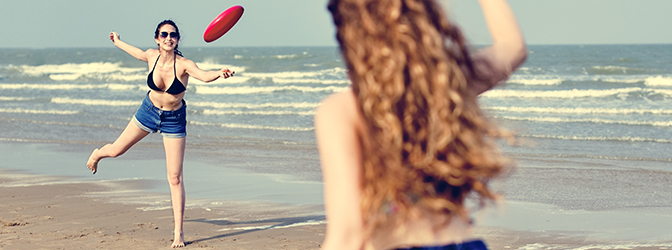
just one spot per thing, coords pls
(152, 52)
(341, 105)
(183, 59)
(185, 62)
(338, 116)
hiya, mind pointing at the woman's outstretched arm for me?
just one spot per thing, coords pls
(496, 62)
(205, 76)
(130, 49)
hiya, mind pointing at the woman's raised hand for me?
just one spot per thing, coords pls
(226, 73)
(114, 36)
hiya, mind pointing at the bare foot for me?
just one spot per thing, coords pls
(178, 241)
(93, 163)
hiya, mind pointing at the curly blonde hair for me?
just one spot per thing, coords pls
(427, 144)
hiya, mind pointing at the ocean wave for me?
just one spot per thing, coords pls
(277, 112)
(65, 77)
(94, 102)
(560, 94)
(111, 86)
(559, 110)
(598, 138)
(117, 77)
(535, 81)
(236, 79)
(327, 77)
(530, 70)
(249, 126)
(665, 92)
(658, 81)
(600, 157)
(255, 105)
(299, 74)
(627, 81)
(72, 71)
(12, 98)
(286, 56)
(102, 102)
(258, 90)
(664, 80)
(285, 81)
(618, 70)
(212, 64)
(73, 68)
(283, 78)
(104, 71)
(587, 120)
(305, 76)
(289, 56)
(38, 111)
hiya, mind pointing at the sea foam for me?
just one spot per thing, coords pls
(205, 90)
(588, 120)
(581, 110)
(237, 112)
(250, 126)
(557, 94)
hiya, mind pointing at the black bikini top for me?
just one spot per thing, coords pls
(175, 88)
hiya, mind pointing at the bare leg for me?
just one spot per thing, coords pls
(174, 161)
(131, 135)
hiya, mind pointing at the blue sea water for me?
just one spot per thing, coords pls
(87, 96)
(605, 107)
(590, 102)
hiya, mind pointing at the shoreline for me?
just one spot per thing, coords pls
(234, 179)
(113, 210)
(65, 215)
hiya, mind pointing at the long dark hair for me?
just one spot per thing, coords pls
(169, 22)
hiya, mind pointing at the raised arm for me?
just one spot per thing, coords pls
(497, 62)
(340, 157)
(130, 49)
(206, 76)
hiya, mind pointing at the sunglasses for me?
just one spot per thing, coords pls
(172, 34)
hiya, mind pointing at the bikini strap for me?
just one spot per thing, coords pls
(157, 60)
(174, 69)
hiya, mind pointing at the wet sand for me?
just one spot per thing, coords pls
(547, 207)
(65, 215)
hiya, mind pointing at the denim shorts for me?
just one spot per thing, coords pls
(171, 123)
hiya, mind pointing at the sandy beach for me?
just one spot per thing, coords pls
(40, 211)
(65, 216)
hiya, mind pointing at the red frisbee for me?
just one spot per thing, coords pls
(223, 23)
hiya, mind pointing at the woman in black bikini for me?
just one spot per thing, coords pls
(163, 110)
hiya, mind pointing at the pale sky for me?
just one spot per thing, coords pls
(87, 23)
